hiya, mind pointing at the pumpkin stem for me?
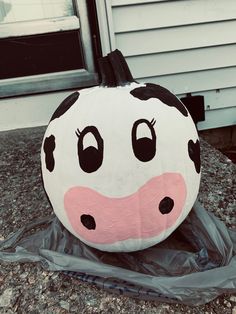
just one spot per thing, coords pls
(114, 70)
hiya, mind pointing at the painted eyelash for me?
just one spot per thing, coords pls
(78, 133)
(153, 121)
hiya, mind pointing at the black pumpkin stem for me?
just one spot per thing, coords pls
(114, 70)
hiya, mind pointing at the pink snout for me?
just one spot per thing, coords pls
(149, 211)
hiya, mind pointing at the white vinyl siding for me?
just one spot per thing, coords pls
(188, 46)
(158, 14)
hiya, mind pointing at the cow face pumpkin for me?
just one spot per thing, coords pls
(121, 164)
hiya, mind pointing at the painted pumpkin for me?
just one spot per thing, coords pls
(121, 161)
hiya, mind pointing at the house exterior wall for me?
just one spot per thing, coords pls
(186, 46)
(29, 111)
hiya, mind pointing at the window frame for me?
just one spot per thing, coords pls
(57, 80)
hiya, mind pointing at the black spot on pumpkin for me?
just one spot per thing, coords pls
(65, 105)
(88, 222)
(194, 154)
(48, 147)
(157, 91)
(166, 205)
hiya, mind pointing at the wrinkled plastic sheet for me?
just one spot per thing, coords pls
(194, 265)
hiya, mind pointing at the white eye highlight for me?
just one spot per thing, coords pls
(143, 131)
(89, 140)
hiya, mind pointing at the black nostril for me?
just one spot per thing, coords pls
(88, 221)
(166, 205)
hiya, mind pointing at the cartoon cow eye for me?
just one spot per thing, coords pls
(91, 157)
(144, 148)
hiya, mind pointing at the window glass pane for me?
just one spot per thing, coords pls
(26, 10)
(40, 54)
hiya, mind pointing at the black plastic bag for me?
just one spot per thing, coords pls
(193, 266)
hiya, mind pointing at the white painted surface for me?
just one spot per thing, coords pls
(39, 26)
(13, 11)
(121, 176)
(29, 111)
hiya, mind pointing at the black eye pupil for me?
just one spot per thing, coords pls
(90, 158)
(144, 148)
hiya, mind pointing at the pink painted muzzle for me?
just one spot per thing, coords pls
(146, 213)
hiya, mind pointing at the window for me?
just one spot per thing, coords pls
(46, 45)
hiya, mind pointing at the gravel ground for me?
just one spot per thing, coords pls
(27, 288)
